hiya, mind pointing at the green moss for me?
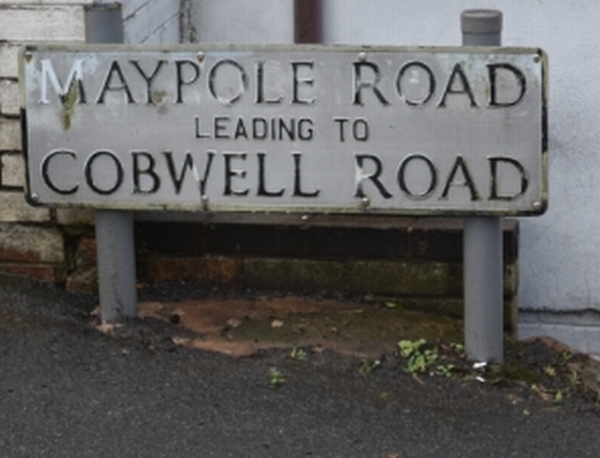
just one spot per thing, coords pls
(518, 374)
(69, 102)
(362, 323)
(158, 96)
(401, 278)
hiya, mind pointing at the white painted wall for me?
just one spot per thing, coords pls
(144, 21)
(235, 21)
(150, 21)
(560, 251)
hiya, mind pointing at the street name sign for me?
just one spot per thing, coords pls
(389, 130)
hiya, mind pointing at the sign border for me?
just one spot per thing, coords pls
(540, 208)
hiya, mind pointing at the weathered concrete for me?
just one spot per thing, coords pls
(16, 209)
(39, 22)
(10, 134)
(20, 243)
(9, 97)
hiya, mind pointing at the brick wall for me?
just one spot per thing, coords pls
(54, 245)
(31, 241)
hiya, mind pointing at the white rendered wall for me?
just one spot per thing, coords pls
(150, 21)
(559, 252)
(235, 21)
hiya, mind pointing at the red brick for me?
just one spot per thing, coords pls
(213, 271)
(85, 256)
(43, 272)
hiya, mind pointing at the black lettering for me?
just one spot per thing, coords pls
(200, 134)
(360, 130)
(260, 128)
(290, 129)
(457, 72)
(69, 94)
(242, 87)
(240, 130)
(260, 86)
(230, 173)
(89, 176)
(262, 188)
(148, 171)
(402, 177)
(46, 174)
(359, 84)
(361, 175)
(461, 165)
(297, 81)
(494, 162)
(179, 64)
(220, 129)
(188, 164)
(342, 123)
(519, 78)
(148, 79)
(298, 192)
(413, 66)
(305, 129)
(115, 70)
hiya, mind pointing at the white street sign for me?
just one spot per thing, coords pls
(455, 131)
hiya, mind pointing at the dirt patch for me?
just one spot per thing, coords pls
(243, 326)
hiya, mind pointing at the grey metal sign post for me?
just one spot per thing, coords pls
(482, 242)
(114, 229)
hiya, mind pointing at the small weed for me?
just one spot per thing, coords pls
(457, 348)
(566, 356)
(298, 354)
(276, 380)
(392, 305)
(550, 371)
(518, 374)
(446, 369)
(366, 366)
(558, 397)
(418, 359)
(574, 379)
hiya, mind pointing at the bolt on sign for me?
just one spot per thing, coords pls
(455, 131)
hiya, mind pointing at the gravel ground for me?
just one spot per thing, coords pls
(69, 390)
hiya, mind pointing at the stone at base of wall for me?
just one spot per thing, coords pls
(31, 244)
(427, 286)
(45, 272)
(578, 330)
(83, 280)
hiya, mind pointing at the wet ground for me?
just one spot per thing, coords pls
(242, 323)
(319, 377)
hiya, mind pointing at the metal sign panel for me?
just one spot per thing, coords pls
(287, 128)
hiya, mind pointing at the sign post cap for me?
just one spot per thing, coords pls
(481, 21)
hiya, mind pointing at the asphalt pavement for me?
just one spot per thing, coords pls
(69, 390)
